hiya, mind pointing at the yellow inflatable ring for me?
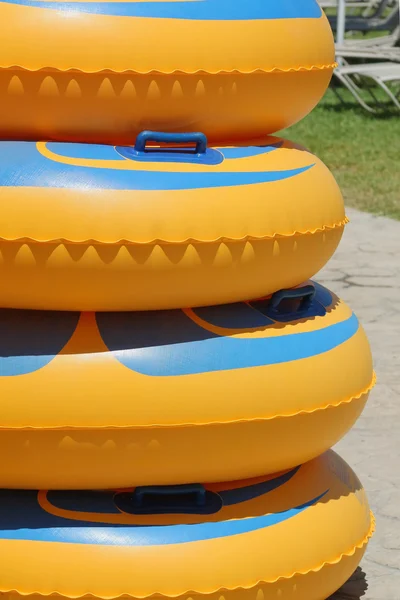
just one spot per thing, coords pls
(103, 71)
(304, 530)
(100, 228)
(119, 399)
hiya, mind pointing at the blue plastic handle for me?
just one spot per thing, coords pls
(306, 294)
(171, 138)
(291, 305)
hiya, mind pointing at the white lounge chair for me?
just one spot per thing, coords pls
(382, 74)
(386, 54)
(385, 41)
(366, 6)
(380, 21)
(376, 48)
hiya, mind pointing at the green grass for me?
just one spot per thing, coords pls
(362, 150)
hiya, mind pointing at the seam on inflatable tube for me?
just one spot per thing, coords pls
(349, 400)
(348, 554)
(185, 241)
(106, 71)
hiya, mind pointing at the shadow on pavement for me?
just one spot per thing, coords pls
(354, 589)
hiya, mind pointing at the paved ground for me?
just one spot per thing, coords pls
(365, 272)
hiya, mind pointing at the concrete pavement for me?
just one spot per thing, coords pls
(365, 272)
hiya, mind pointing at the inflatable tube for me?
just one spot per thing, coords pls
(305, 532)
(119, 399)
(99, 228)
(103, 71)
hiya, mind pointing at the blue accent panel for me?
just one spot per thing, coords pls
(102, 502)
(207, 10)
(172, 155)
(170, 344)
(157, 535)
(85, 151)
(323, 295)
(233, 316)
(21, 518)
(248, 151)
(20, 510)
(22, 165)
(149, 330)
(30, 340)
(239, 495)
(89, 501)
(100, 152)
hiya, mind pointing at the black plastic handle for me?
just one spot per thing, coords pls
(191, 499)
(195, 494)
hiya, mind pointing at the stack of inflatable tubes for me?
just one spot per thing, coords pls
(162, 189)
(228, 69)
